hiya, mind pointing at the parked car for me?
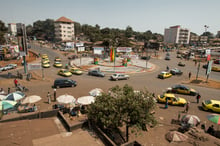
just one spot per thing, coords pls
(179, 56)
(211, 105)
(172, 99)
(73, 57)
(58, 64)
(176, 71)
(167, 58)
(64, 82)
(76, 71)
(181, 64)
(96, 73)
(10, 66)
(119, 77)
(164, 75)
(181, 89)
(1, 68)
(46, 60)
(64, 72)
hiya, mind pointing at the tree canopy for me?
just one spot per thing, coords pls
(123, 106)
(3, 30)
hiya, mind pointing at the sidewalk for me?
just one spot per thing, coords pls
(135, 66)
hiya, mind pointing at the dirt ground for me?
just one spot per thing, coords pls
(48, 132)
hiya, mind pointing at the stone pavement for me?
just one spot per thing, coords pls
(134, 66)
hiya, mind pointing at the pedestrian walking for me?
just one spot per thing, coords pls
(179, 116)
(198, 97)
(187, 107)
(16, 82)
(49, 97)
(54, 94)
(9, 90)
(166, 104)
(168, 68)
(190, 75)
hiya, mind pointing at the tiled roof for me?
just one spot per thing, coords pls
(64, 19)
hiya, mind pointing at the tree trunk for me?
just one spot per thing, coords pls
(127, 133)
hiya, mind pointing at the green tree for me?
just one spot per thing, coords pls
(123, 106)
(3, 30)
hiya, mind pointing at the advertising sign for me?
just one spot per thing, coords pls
(34, 66)
(98, 50)
(124, 49)
(209, 67)
(80, 44)
(81, 49)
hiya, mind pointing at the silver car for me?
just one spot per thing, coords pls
(119, 77)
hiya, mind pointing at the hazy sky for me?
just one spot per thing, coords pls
(141, 15)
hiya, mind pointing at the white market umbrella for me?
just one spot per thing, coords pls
(2, 97)
(66, 99)
(6, 104)
(192, 120)
(86, 100)
(31, 99)
(96, 92)
(175, 136)
(15, 96)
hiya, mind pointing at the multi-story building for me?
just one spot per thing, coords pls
(12, 28)
(64, 29)
(176, 35)
(203, 39)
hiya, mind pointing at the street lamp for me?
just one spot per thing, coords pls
(206, 27)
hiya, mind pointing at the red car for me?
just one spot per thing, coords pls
(217, 61)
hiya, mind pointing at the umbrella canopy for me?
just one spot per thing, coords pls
(15, 96)
(2, 97)
(192, 120)
(66, 99)
(215, 118)
(96, 92)
(86, 100)
(176, 136)
(6, 104)
(31, 99)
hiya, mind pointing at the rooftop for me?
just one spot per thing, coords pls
(64, 19)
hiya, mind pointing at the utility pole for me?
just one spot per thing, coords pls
(22, 43)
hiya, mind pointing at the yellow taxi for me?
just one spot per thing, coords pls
(76, 71)
(64, 72)
(172, 99)
(181, 89)
(46, 60)
(216, 68)
(164, 75)
(57, 59)
(211, 105)
(45, 64)
(43, 56)
(58, 64)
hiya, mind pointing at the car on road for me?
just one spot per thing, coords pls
(64, 72)
(214, 68)
(181, 64)
(76, 71)
(45, 64)
(181, 89)
(58, 64)
(176, 71)
(57, 59)
(9, 66)
(172, 99)
(164, 75)
(119, 77)
(64, 82)
(179, 56)
(96, 73)
(167, 58)
(44, 56)
(46, 60)
(217, 61)
(211, 105)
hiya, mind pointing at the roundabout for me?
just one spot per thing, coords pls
(135, 65)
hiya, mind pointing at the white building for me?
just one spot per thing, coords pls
(177, 35)
(64, 29)
(12, 28)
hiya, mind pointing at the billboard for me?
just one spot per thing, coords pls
(209, 67)
(98, 50)
(34, 66)
(124, 49)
